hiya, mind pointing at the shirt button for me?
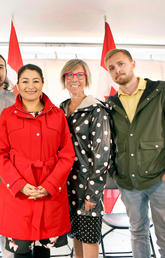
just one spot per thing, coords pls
(133, 175)
(156, 146)
(8, 185)
(146, 172)
(131, 134)
(148, 98)
(132, 154)
(38, 134)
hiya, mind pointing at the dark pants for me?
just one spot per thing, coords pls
(38, 252)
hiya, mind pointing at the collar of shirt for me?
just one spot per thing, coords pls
(141, 86)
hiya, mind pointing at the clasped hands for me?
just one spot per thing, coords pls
(34, 192)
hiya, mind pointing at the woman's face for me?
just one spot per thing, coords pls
(30, 85)
(76, 85)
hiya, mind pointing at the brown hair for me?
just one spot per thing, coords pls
(115, 51)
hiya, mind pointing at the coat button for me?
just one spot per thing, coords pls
(59, 189)
(15, 111)
(38, 134)
(156, 146)
(132, 154)
(8, 185)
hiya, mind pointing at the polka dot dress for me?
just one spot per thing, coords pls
(86, 229)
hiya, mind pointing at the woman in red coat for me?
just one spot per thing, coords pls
(36, 156)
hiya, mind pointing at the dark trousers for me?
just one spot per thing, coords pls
(38, 252)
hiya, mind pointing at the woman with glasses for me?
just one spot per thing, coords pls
(89, 126)
(36, 156)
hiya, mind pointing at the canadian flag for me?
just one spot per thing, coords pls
(106, 86)
(14, 58)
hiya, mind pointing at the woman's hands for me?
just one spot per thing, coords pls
(34, 192)
(89, 205)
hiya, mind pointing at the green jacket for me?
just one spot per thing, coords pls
(140, 145)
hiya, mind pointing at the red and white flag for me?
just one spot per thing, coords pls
(106, 86)
(14, 58)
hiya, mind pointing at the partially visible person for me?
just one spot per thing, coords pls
(90, 130)
(7, 98)
(138, 112)
(36, 156)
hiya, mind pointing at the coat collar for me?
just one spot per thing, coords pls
(48, 105)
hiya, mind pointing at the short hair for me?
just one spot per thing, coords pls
(31, 67)
(115, 51)
(72, 65)
(6, 82)
(3, 60)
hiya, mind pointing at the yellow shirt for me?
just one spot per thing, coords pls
(130, 102)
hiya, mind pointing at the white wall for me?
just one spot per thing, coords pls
(154, 70)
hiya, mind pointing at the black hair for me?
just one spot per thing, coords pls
(30, 67)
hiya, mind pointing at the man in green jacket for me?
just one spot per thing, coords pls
(138, 112)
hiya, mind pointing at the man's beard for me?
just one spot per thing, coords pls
(123, 79)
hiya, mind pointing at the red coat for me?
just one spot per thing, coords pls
(38, 151)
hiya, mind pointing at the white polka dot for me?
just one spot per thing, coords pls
(84, 170)
(98, 124)
(93, 133)
(76, 143)
(92, 182)
(98, 109)
(77, 128)
(78, 212)
(86, 122)
(73, 203)
(88, 197)
(94, 214)
(101, 179)
(105, 132)
(68, 183)
(81, 186)
(102, 212)
(89, 146)
(93, 119)
(74, 120)
(74, 177)
(98, 140)
(94, 105)
(92, 148)
(106, 148)
(98, 156)
(84, 137)
(105, 164)
(97, 171)
(105, 117)
(83, 114)
(96, 192)
(90, 160)
(73, 192)
(83, 151)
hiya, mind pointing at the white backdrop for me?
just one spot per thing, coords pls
(152, 69)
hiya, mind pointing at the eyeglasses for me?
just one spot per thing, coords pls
(70, 76)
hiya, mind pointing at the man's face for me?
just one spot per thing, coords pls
(2, 72)
(121, 68)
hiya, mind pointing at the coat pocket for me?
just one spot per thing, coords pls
(151, 157)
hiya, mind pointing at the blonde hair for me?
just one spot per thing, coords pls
(71, 65)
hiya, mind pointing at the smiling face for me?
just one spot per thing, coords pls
(121, 68)
(2, 72)
(30, 85)
(76, 86)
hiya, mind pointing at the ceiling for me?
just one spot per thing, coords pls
(131, 21)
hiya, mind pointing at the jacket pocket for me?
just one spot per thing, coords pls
(150, 158)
